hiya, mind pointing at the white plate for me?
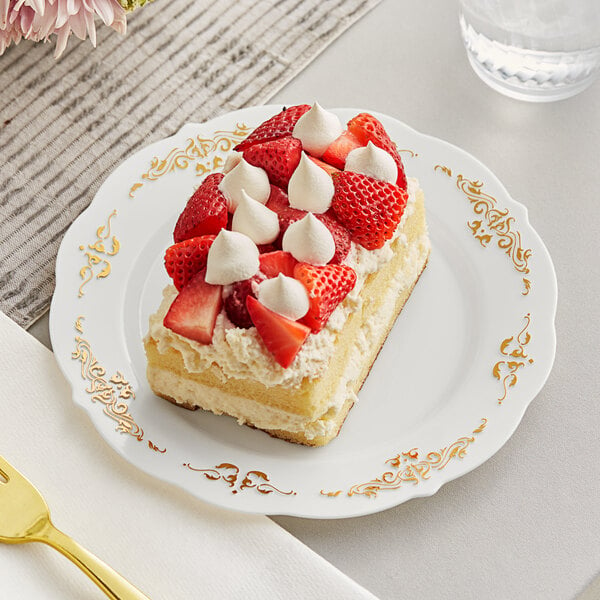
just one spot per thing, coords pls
(471, 349)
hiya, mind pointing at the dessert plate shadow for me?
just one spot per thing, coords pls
(471, 349)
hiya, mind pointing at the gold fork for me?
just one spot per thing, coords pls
(24, 517)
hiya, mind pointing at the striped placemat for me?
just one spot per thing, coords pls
(64, 126)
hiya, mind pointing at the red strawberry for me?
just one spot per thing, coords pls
(368, 129)
(279, 158)
(235, 303)
(331, 170)
(326, 286)
(185, 259)
(338, 150)
(273, 263)
(340, 234)
(369, 209)
(195, 309)
(282, 336)
(281, 125)
(205, 212)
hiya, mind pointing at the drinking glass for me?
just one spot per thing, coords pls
(536, 50)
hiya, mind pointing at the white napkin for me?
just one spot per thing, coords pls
(164, 541)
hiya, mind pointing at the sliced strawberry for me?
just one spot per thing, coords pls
(279, 158)
(265, 248)
(185, 259)
(273, 263)
(282, 336)
(204, 213)
(336, 153)
(326, 286)
(280, 125)
(235, 303)
(278, 202)
(369, 209)
(195, 309)
(368, 129)
(328, 168)
(341, 236)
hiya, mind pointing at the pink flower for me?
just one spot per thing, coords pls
(37, 20)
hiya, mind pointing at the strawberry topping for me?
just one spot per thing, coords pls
(279, 158)
(273, 263)
(368, 129)
(328, 168)
(369, 209)
(340, 148)
(194, 311)
(204, 213)
(326, 286)
(282, 336)
(280, 125)
(185, 259)
(235, 303)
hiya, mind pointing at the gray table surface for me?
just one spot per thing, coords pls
(526, 524)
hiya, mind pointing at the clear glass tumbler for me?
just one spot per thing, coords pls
(536, 50)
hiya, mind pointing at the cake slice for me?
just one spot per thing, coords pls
(276, 318)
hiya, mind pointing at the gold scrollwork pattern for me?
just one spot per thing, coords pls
(514, 348)
(197, 150)
(413, 467)
(495, 222)
(411, 153)
(112, 393)
(97, 254)
(230, 474)
(331, 494)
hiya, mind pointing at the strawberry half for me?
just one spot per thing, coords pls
(368, 129)
(273, 263)
(280, 125)
(327, 168)
(282, 336)
(204, 213)
(185, 259)
(279, 158)
(195, 309)
(326, 286)
(235, 303)
(340, 148)
(278, 202)
(369, 209)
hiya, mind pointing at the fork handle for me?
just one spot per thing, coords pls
(115, 586)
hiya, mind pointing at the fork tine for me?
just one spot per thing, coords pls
(8, 471)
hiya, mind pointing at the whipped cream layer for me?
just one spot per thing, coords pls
(241, 354)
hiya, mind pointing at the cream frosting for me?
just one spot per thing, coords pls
(373, 162)
(232, 160)
(255, 220)
(317, 128)
(285, 296)
(308, 240)
(232, 257)
(310, 187)
(245, 176)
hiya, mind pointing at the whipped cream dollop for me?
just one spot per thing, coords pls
(373, 162)
(310, 187)
(284, 295)
(232, 160)
(232, 257)
(308, 240)
(255, 220)
(245, 176)
(317, 128)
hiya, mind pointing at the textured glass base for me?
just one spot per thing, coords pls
(531, 75)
